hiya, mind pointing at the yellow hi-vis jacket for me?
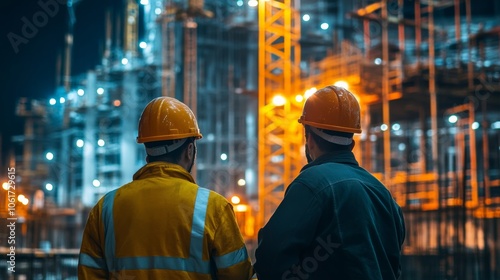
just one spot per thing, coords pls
(163, 226)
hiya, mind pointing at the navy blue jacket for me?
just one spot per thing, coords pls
(336, 221)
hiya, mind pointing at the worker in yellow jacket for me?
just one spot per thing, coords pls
(162, 225)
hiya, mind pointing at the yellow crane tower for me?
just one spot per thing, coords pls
(280, 135)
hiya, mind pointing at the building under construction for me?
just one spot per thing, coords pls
(426, 72)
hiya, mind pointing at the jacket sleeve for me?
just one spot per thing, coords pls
(230, 254)
(288, 233)
(91, 263)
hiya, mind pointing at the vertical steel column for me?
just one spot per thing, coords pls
(128, 118)
(418, 31)
(486, 163)
(168, 45)
(432, 90)
(89, 149)
(401, 32)
(385, 95)
(191, 69)
(280, 137)
(458, 35)
(470, 66)
(190, 64)
(473, 158)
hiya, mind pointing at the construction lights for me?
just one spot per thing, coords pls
(235, 199)
(342, 84)
(101, 143)
(80, 143)
(241, 208)
(223, 156)
(279, 100)
(253, 3)
(309, 92)
(23, 199)
(49, 156)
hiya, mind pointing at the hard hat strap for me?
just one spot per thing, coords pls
(162, 150)
(339, 140)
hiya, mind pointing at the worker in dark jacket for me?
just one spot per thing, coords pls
(336, 220)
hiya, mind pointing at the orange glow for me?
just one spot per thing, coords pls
(117, 103)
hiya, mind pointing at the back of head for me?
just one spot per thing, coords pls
(332, 114)
(165, 125)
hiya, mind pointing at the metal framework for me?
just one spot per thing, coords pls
(168, 50)
(131, 33)
(280, 135)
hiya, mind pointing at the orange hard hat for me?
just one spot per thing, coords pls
(166, 118)
(332, 108)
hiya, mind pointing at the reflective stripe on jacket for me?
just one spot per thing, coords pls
(163, 226)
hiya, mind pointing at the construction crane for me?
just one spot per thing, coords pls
(280, 135)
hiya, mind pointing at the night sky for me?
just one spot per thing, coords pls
(30, 71)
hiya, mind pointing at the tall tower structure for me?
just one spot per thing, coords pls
(131, 22)
(280, 136)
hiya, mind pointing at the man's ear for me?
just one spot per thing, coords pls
(311, 147)
(190, 151)
(310, 141)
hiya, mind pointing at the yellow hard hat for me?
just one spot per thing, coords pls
(332, 108)
(166, 118)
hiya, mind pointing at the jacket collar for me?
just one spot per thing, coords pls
(345, 157)
(163, 169)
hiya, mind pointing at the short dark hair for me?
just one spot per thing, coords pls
(328, 146)
(174, 156)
